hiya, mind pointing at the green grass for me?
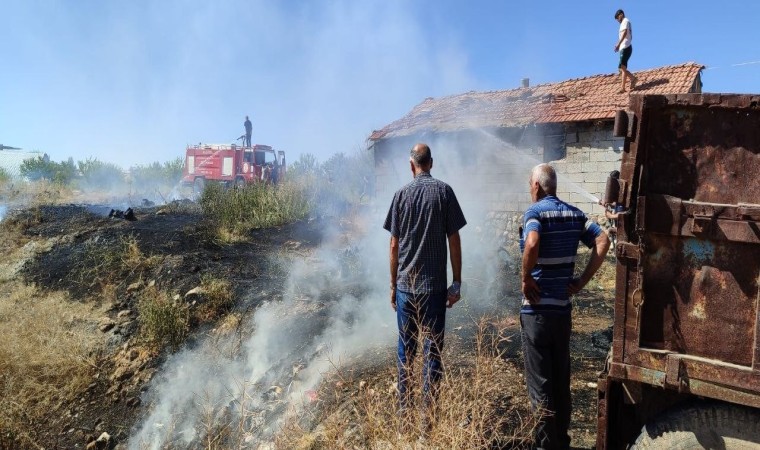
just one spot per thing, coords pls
(234, 212)
(163, 320)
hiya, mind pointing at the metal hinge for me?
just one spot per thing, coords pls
(675, 373)
(626, 250)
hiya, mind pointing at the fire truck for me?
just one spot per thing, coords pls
(232, 165)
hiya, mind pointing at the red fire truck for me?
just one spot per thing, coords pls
(232, 165)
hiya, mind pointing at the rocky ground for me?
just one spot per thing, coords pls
(52, 248)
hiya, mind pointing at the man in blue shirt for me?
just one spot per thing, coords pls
(424, 214)
(549, 239)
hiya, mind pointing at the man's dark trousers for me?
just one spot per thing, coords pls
(247, 142)
(426, 312)
(546, 350)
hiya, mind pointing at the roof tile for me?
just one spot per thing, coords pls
(581, 99)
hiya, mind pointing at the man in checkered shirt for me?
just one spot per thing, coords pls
(423, 215)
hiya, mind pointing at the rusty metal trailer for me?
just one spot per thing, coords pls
(684, 368)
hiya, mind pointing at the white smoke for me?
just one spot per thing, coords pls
(335, 308)
(330, 310)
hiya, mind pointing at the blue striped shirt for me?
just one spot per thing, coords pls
(560, 227)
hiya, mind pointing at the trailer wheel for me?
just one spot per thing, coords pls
(198, 185)
(239, 183)
(703, 425)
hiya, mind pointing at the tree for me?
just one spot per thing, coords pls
(40, 168)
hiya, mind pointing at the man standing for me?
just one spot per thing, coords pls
(625, 36)
(423, 215)
(549, 240)
(248, 129)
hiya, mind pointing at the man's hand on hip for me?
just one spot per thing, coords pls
(530, 290)
(575, 286)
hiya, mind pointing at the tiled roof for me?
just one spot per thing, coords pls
(590, 98)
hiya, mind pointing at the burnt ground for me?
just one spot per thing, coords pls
(182, 250)
(180, 243)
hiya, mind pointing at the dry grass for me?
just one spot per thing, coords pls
(49, 351)
(37, 192)
(604, 279)
(107, 263)
(217, 296)
(478, 408)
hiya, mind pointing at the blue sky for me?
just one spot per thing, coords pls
(132, 82)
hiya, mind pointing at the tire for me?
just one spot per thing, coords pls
(703, 425)
(239, 183)
(198, 185)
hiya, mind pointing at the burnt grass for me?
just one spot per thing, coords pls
(183, 249)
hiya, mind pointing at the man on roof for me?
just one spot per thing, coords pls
(624, 47)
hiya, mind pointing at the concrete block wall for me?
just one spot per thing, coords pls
(591, 154)
(497, 176)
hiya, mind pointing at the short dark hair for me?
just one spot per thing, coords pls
(619, 12)
(421, 155)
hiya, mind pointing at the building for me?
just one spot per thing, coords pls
(486, 141)
(11, 159)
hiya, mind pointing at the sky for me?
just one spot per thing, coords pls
(135, 82)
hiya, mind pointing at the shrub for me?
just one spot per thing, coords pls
(163, 321)
(345, 181)
(105, 262)
(158, 174)
(305, 165)
(5, 177)
(101, 174)
(43, 169)
(218, 298)
(259, 205)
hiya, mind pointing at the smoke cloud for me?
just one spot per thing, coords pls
(335, 308)
(142, 80)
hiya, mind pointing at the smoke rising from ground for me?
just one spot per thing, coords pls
(335, 308)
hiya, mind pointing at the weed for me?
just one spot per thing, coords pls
(163, 320)
(105, 263)
(233, 212)
(5, 177)
(217, 298)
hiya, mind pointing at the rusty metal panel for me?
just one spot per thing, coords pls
(707, 155)
(741, 386)
(700, 298)
(689, 251)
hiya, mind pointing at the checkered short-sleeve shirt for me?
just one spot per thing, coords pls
(422, 215)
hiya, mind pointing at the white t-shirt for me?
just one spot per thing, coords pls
(625, 24)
